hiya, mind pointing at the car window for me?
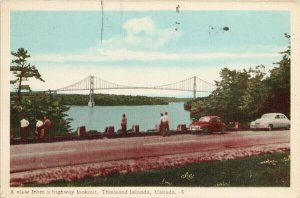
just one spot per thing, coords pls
(282, 117)
(277, 117)
(267, 116)
(218, 120)
(204, 119)
(213, 120)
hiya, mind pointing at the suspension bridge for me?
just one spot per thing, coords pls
(92, 83)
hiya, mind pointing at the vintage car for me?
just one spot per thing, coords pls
(208, 124)
(271, 121)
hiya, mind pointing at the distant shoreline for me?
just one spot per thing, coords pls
(113, 100)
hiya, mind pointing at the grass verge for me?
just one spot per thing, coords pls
(267, 170)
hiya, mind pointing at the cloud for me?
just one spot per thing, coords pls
(139, 25)
(142, 33)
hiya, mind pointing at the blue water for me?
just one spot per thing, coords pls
(98, 117)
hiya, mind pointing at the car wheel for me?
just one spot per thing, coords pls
(205, 131)
(288, 127)
(270, 127)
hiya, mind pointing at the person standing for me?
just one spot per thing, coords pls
(47, 126)
(24, 129)
(166, 121)
(124, 124)
(38, 129)
(162, 125)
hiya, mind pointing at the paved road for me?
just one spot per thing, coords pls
(46, 155)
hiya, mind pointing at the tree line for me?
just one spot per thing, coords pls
(244, 95)
(117, 100)
(111, 100)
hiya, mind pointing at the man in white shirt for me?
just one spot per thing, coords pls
(24, 129)
(166, 121)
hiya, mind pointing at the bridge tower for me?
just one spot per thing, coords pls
(91, 101)
(194, 87)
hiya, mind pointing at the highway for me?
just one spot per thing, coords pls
(58, 154)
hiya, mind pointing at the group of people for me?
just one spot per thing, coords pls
(42, 128)
(163, 125)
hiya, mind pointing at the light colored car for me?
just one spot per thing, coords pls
(271, 121)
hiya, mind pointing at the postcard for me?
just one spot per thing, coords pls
(108, 98)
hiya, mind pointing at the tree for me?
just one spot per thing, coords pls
(34, 105)
(279, 94)
(226, 99)
(23, 70)
(254, 98)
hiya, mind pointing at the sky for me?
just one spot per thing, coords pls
(146, 48)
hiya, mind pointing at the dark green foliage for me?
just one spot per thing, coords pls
(33, 105)
(279, 83)
(107, 100)
(244, 95)
(254, 97)
(237, 98)
(37, 106)
(111, 100)
(268, 170)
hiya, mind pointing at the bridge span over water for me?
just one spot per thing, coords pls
(92, 83)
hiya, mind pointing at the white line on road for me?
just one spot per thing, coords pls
(173, 142)
(42, 153)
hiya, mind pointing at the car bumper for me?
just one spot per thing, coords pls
(258, 126)
(192, 128)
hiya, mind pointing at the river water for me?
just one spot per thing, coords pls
(98, 117)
